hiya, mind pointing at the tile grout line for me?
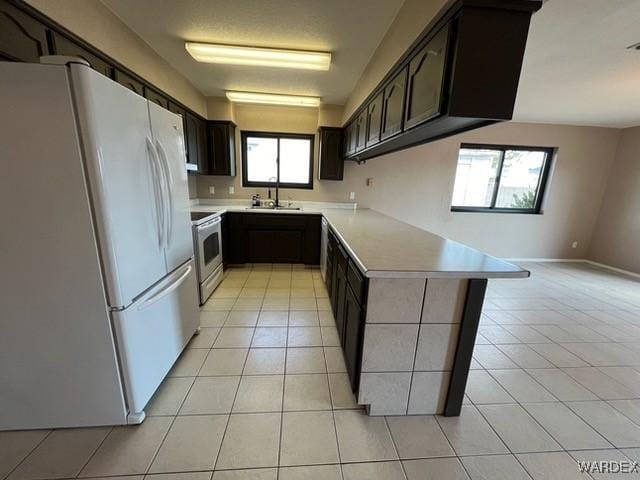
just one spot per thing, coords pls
(284, 383)
(395, 448)
(333, 412)
(244, 363)
(28, 454)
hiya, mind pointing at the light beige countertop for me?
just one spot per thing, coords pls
(384, 247)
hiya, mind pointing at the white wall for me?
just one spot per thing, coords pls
(616, 240)
(416, 185)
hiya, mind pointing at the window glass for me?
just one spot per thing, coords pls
(269, 158)
(500, 179)
(521, 172)
(294, 160)
(262, 155)
(476, 177)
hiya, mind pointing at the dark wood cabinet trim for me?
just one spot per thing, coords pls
(461, 108)
(28, 28)
(54, 26)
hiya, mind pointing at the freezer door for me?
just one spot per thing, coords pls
(152, 332)
(169, 144)
(120, 159)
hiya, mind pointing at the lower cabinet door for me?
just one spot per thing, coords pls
(340, 294)
(352, 342)
(274, 246)
(328, 279)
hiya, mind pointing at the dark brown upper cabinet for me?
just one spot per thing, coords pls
(361, 131)
(22, 39)
(424, 85)
(178, 110)
(196, 142)
(64, 46)
(374, 120)
(26, 35)
(156, 97)
(393, 103)
(330, 157)
(222, 148)
(350, 139)
(128, 81)
(461, 73)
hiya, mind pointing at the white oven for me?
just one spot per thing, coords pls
(208, 242)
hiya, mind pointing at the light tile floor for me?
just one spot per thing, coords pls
(262, 393)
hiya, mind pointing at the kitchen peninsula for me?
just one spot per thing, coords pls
(407, 304)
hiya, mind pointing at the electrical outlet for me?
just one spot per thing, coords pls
(212, 190)
(574, 245)
(232, 190)
(352, 195)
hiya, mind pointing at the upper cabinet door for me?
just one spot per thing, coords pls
(203, 155)
(63, 46)
(196, 138)
(331, 163)
(424, 90)
(156, 97)
(361, 130)
(374, 120)
(22, 38)
(222, 148)
(393, 102)
(350, 139)
(129, 82)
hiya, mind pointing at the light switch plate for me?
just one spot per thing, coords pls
(232, 190)
(212, 190)
(352, 195)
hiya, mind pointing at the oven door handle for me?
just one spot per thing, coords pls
(209, 224)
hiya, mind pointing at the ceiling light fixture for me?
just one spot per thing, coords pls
(273, 99)
(264, 57)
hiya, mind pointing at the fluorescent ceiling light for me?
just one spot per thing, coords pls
(265, 57)
(274, 99)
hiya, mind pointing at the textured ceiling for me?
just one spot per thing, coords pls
(350, 29)
(577, 69)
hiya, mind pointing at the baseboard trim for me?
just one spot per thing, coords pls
(544, 260)
(615, 269)
(576, 260)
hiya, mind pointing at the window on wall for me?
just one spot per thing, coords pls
(268, 158)
(501, 179)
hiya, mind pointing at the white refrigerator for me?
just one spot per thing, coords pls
(98, 291)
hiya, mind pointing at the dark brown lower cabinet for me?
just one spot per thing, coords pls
(340, 295)
(271, 238)
(348, 289)
(353, 335)
(275, 246)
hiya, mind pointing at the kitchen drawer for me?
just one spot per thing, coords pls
(357, 282)
(342, 258)
(267, 220)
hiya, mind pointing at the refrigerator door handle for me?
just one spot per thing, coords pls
(176, 279)
(159, 201)
(169, 183)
